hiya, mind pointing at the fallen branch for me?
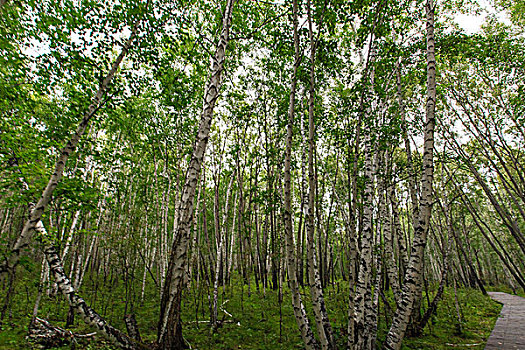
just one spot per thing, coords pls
(44, 333)
(458, 345)
(223, 310)
(207, 321)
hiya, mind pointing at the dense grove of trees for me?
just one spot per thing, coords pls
(180, 147)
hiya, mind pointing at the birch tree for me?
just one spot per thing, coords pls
(299, 309)
(170, 328)
(412, 284)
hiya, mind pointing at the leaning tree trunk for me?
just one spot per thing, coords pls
(77, 303)
(35, 225)
(170, 328)
(412, 284)
(36, 214)
(432, 307)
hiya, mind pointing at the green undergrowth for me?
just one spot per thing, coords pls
(478, 315)
(506, 289)
(252, 320)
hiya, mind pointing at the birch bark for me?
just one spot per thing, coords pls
(299, 311)
(360, 328)
(324, 329)
(76, 302)
(220, 255)
(386, 221)
(412, 284)
(170, 328)
(363, 293)
(36, 214)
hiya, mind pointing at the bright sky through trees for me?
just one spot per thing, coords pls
(310, 174)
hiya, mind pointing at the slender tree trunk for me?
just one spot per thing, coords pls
(361, 332)
(385, 217)
(324, 329)
(75, 301)
(363, 294)
(432, 307)
(29, 228)
(70, 236)
(412, 284)
(170, 327)
(412, 175)
(220, 254)
(399, 233)
(299, 311)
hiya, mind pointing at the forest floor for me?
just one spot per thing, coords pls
(259, 321)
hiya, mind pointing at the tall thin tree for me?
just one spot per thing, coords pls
(169, 334)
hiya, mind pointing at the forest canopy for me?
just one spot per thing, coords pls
(341, 168)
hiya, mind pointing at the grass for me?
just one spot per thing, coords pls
(478, 315)
(258, 320)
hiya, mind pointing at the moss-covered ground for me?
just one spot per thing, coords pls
(255, 320)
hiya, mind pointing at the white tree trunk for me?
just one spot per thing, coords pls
(170, 328)
(412, 284)
(36, 214)
(299, 311)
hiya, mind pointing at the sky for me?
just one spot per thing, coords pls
(472, 23)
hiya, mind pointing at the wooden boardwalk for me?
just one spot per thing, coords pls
(509, 331)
